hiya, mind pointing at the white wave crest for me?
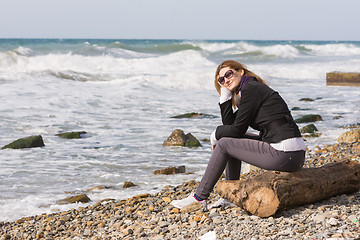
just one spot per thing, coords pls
(23, 51)
(241, 47)
(334, 49)
(277, 51)
(124, 53)
(283, 51)
(7, 59)
(213, 47)
(13, 57)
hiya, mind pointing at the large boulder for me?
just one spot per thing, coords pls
(178, 138)
(27, 142)
(350, 136)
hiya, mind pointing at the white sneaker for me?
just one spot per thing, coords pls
(222, 202)
(187, 201)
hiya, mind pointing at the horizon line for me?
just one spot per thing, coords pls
(170, 39)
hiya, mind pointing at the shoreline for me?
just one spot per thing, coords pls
(149, 216)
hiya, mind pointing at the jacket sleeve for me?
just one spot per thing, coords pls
(227, 113)
(247, 110)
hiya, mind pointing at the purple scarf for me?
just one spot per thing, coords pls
(243, 82)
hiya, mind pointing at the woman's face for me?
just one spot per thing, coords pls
(232, 80)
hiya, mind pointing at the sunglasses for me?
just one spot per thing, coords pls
(228, 74)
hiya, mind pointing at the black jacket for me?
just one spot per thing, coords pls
(262, 109)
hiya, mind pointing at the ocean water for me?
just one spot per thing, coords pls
(123, 94)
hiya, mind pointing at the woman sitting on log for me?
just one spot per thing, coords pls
(279, 146)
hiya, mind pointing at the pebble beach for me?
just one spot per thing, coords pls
(150, 216)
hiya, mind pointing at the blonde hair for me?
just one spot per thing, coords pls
(237, 67)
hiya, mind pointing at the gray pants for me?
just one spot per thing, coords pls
(229, 152)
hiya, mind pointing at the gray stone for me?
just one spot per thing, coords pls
(193, 224)
(87, 232)
(319, 217)
(333, 222)
(254, 218)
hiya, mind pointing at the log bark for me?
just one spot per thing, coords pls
(266, 193)
(343, 79)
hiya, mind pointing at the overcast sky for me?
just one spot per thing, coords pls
(182, 19)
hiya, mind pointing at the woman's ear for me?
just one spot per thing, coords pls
(241, 72)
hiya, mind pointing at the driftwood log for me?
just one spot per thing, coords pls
(343, 78)
(270, 191)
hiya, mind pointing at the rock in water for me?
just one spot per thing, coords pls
(309, 118)
(306, 99)
(71, 135)
(310, 131)
(191, 141)
(178, 138)
(311, 128)
(129, 184)
(83, 198)
(194, 115)
(170, 170)
(27, 142)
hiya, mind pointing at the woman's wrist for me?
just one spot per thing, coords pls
(213, 139)
(225, 95)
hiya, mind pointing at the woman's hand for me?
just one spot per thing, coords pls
(225, 95)
(213, 139)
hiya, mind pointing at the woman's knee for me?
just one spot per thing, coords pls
(222, 143)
